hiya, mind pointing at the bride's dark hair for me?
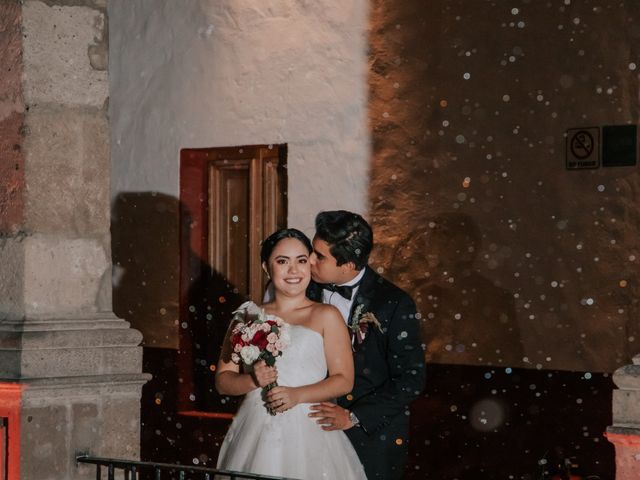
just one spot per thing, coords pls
(269, 243)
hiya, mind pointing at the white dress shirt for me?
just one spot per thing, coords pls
(338, 301)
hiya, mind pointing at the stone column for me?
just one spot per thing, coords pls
(70, 371)
(625, 431)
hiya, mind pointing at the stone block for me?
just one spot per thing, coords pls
(11, 119)
(627, 377)
(86, 426)
(120, 433)
(64, 348)
(11, 171)
(12, 277)
(44, 449)
(67, 171)
(626, 408)
(86, 435)
(61, 418)
(59, 42)
(79, 362)
(10, 364)
(63, 275)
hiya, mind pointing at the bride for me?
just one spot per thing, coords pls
(317, 366)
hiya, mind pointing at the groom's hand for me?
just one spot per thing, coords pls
(331, 416)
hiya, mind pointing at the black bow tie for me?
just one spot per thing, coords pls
(345, 291)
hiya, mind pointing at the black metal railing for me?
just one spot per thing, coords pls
(133, 470)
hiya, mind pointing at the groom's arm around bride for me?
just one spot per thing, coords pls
(387, 348)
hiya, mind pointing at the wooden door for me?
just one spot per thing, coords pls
(231, 199)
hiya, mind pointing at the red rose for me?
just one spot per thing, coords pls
(236, 339)
(260, 339)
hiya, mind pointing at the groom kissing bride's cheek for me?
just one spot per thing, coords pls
(329, 328)
(388, 356)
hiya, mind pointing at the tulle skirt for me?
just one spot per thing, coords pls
(289, 444)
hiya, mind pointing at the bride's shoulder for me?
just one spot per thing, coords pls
(325, 313)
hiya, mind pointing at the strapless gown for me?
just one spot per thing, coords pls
(290, 444)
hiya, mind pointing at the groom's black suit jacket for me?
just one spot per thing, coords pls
(389, 374)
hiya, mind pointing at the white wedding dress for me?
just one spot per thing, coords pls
(289, 444)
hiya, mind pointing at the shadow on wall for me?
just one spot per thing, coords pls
(145, 244)
(146, 230)
(466, 318)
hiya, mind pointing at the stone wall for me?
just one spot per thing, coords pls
(62, 256)
(11, 120)
(70, 371)
(513, 259)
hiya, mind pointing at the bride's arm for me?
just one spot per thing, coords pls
(337, 351)
(229, 379)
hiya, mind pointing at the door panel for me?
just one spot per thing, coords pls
(231, 199)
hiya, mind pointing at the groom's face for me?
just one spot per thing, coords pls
(324, 266)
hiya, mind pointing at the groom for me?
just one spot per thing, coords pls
(388, 357)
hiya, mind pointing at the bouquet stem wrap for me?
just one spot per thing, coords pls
(265, 390)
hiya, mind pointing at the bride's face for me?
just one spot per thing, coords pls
(289, 267)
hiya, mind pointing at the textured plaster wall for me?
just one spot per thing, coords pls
(513, 259)
(198, 73)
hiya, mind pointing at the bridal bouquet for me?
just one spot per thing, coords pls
(258, 336)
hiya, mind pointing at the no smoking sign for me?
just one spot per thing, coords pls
(583, 148)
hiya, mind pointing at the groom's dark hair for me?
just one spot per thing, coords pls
(349, 236)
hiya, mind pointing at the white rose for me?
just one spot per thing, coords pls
(272, 337)
(249, 354)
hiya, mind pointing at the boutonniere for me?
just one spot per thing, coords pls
(360, 323)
